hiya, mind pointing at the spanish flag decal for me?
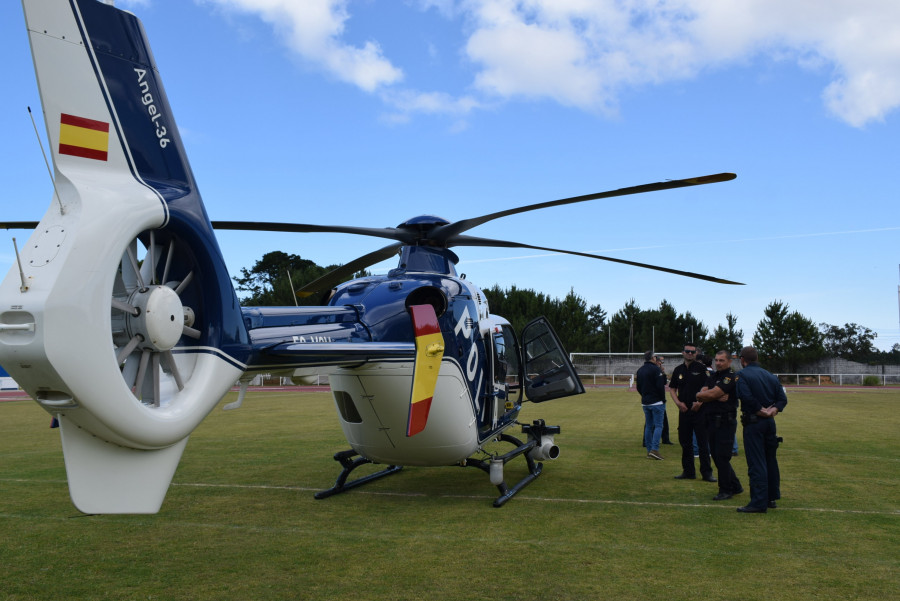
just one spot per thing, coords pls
(83, 137)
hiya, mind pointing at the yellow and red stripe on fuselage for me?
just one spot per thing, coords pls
(429, 352)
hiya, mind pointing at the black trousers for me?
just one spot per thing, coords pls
(721, 428)
(692, 423)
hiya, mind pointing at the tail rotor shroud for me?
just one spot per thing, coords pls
(149, 318)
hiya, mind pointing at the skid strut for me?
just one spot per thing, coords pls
(535, 433)
(345, 458)
(534, 468)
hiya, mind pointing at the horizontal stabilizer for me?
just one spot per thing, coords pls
(106, 478)
(343, 353)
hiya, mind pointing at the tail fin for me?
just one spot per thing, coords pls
(136, 330)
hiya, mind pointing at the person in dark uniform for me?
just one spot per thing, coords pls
(721, 404)
(650, 382)
(687, 380)
(762, 398)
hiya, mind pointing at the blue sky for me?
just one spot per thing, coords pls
(368, 113)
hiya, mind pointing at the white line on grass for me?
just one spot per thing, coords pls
(518, 498)
(527, 498)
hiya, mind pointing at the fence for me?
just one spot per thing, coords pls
(839, 379)
(618, 369)
(786, 379)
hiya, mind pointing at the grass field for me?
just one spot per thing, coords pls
(602, 522)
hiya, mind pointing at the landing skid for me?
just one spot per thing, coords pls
(493, 467)
(345, 458)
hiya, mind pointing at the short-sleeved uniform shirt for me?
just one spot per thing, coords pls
(725, 380)
(687, 380)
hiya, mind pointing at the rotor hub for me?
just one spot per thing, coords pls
(160, 318)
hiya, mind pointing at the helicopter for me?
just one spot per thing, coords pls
(119, 317)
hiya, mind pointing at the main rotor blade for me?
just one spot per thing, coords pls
(272, 226)
(336, 276)
(444, 233)
(18, 225)
(441, 233)
(474, 241)
(300, 228)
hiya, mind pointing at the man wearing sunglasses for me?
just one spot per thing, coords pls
(687, 380)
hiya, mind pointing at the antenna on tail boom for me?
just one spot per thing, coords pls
(62, 211)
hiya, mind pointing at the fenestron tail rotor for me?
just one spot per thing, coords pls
(149, 318)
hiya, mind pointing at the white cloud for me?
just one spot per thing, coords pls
(430, 102)
(584, 53)
(313, 29)
(530, 60)
(859, 40)
(405, 103)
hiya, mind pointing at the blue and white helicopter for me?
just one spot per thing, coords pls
(120, 318)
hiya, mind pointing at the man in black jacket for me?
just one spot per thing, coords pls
(651, 384)
(665, 428)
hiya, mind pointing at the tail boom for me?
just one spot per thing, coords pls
(126, 404)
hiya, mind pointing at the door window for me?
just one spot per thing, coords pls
(548, 372)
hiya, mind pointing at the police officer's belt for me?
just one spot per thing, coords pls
(751, 418)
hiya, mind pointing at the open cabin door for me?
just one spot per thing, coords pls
(548, 372)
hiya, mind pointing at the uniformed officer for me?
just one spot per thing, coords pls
(762, 398)
(720, 399)
(687, 380)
